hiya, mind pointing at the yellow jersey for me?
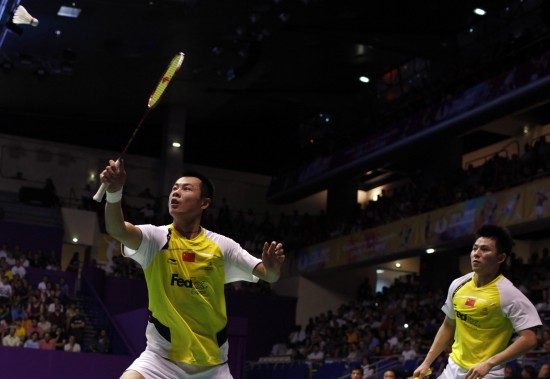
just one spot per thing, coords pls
(185, 284)
(486, 317)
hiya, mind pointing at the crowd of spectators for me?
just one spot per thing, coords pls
(43, 315)
(419, 194)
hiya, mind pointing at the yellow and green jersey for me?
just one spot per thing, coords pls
(185, 283)
(486, 317)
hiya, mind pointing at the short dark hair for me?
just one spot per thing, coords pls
(207, 187)
(357, 368)
(503, 239)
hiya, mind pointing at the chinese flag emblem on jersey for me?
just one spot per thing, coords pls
(188, 256)
(470, 302)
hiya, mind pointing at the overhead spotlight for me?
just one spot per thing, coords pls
(479, 11)
(70, 11)
(398, 265)
(430, 251)
(176, 144)
(364, 79)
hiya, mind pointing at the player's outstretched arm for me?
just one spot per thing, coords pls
(443, 338)
(114, 176)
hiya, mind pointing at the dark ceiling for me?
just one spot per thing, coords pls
(260, 78)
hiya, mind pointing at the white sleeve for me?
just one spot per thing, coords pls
(518, 308)
(153, 239)
(238, 262)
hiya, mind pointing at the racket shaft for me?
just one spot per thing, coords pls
(103, 188)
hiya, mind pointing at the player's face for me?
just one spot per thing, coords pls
(356, 374)
(484, 256)
(389, 375)
(185, 196)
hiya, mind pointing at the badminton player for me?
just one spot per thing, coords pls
(483, 310)
(186, 267)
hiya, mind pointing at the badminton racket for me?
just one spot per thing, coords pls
(155, 97)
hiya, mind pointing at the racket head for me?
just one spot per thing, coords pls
(165, 80)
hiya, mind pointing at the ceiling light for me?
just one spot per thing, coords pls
(176, 144)
(479, 11)
(364, 79)
(69, 11)
(430, 251)
(75, 239)
(398, 265)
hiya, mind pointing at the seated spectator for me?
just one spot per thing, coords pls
(52, 262)
(37, 260)
(20, 330)
(297, 336)
(389, 374)
(77, 325)
(356, 372)
(60, 338)
(70, 311)
(42, 284)
(17, 311)
(44, 324)
(368, 370)
(32, 342)
(72, 345)
(543, 359)
(18, 269)
(5, 317)
(4, 251)
(354, 355)
(21, 289)
(11, 339)
(528, 372)
(28, 324)
(6, 291)
(315, 357)
(57, 318)
(47, 342)
(103, 343)
(147, 213)
(64, 287)
(408, 352)
(35, 307)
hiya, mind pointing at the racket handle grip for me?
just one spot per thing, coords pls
(100, 192)
(103, 188)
